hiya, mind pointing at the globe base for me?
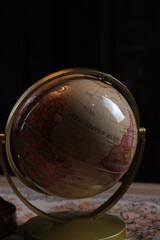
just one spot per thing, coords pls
(107, 227)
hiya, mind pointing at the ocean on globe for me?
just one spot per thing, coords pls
(75, 136)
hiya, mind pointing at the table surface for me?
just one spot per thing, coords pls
(139, 207)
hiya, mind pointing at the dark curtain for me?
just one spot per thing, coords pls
(118, 37)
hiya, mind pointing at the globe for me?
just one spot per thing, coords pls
(76, 137)
(75, 134)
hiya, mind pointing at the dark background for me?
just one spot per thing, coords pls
(121, 38)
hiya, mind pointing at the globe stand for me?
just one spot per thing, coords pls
(95, 225)
(107, 227)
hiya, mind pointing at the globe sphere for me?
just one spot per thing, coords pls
(74, 136)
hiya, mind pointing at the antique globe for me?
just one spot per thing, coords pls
(74, 134)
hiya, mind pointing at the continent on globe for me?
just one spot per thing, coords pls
(123, 150)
